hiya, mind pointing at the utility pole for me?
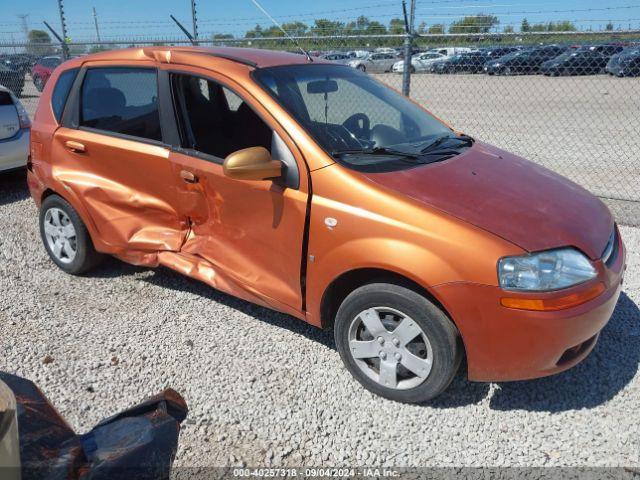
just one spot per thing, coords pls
(408, 44)
(25, 26)
(95, 21)
(63, 25)
(194, 17)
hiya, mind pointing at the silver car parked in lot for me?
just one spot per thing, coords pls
(377, 62)
(419, 62)
(14, 132)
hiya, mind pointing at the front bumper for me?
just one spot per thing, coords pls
(14, 151)
(504, 344)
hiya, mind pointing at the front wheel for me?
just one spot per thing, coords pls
(65, 237)
(397, 343)
(362, 68)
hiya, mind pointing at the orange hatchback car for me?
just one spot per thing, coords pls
(312, 189)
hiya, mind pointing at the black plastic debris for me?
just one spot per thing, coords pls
(138, 443)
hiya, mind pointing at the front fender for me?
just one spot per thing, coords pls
(396, 256)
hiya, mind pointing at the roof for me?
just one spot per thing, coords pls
(252, 56)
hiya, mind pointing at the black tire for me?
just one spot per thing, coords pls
(412, 69)
(439, 329)
(86, 256)
(362, 68)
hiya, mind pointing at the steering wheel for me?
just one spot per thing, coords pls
(358, 125)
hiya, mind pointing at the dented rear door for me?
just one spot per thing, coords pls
(116, 162)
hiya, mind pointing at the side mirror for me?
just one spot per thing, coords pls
(252, 163)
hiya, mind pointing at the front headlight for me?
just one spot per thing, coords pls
(543, 271)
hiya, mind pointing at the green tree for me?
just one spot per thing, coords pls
(297, 29)
(324, 27)
(375, 28)
(436, 29)
(480, 23)
(508, 29)
(222, 36)
(525, 26)
(256, 32)
(39, 43)
(564, 26)
(609, 27)
(396, 26)
(272, 32)
(422, 28)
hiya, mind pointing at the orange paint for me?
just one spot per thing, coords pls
(442, 226)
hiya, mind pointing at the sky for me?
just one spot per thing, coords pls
(119, 19)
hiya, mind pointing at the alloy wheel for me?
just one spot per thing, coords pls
(60, 235)
(390, 348)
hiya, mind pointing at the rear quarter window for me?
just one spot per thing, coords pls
(61, 91)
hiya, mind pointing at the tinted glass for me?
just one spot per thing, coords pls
(121, 100)
(5, 99)
(61, 91)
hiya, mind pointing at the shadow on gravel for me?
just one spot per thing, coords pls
(166, 278)
(605, 372)
(111, 267)
(13, 187)
(461, 392)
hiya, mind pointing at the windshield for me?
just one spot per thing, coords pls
(347, 111)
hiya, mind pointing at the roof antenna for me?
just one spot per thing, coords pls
(255, 2)
(184, 30)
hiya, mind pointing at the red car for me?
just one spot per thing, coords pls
(42, 70)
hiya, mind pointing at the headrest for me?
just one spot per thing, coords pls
(103, 102)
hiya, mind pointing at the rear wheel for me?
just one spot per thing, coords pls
(65, 237)
(362, 68)
(397, 343)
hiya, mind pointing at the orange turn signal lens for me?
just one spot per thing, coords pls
(551, 304)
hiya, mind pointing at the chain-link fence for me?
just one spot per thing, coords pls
(568, 100)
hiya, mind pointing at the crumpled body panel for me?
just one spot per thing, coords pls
(140, 442)
(126, 217)
(127, 189)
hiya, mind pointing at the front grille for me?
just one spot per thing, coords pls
(611, 250)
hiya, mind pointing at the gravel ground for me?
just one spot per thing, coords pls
(266, 389)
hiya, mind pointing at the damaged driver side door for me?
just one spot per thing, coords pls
(246, 236)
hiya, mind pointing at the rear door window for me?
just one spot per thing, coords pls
(121, 100)
(61, 91)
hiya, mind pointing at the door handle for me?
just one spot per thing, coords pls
(76, 147)
(188, 176)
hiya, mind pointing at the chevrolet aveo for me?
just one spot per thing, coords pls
(312, 189)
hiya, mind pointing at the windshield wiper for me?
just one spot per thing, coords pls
(433, 146)
(374, 151)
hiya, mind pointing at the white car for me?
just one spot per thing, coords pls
(357, 54)
(419, 62)
(14, 132)
(375, 63)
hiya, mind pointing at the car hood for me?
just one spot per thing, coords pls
(508, 196)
